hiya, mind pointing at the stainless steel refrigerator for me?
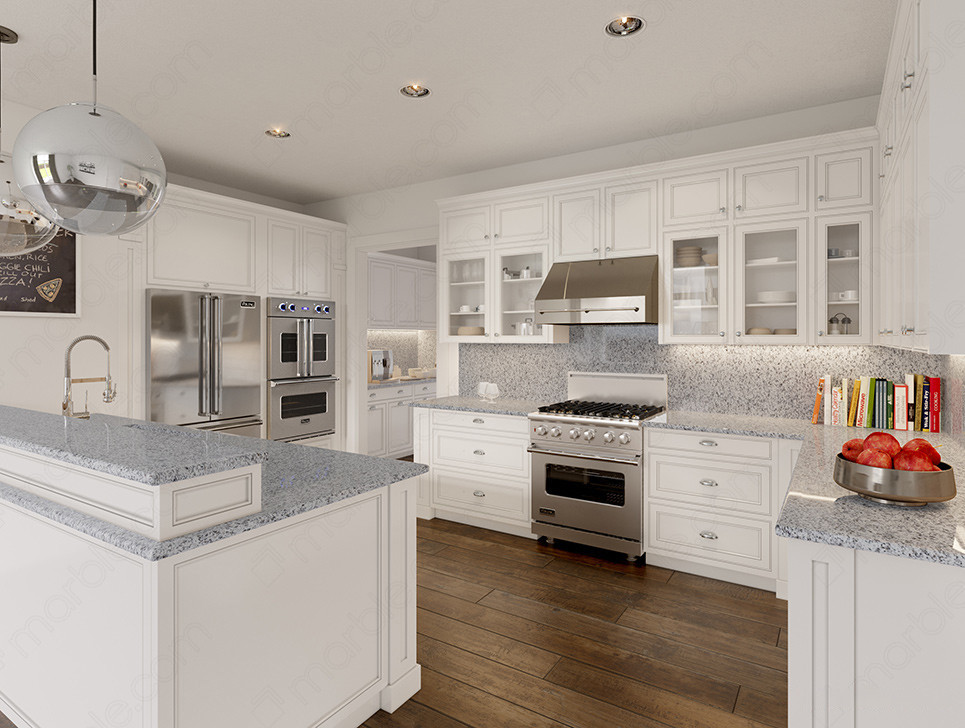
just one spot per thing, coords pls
(205, 355)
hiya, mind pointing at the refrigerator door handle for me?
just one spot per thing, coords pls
(204, 358)
(217, 365)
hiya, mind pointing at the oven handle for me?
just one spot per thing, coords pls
(583, 456)
(301, 380)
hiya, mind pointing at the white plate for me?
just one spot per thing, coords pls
(776, 297)
(761, 261)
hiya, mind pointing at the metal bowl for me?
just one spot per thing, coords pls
(895, 487)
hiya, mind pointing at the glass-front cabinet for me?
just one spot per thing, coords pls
(843, 279)
(771, 297)
(695, 289)
(491, 296)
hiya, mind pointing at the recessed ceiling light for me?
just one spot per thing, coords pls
(278, 133)
(414, 91)
(625, 25)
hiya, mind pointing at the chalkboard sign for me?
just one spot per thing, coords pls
(41, 282)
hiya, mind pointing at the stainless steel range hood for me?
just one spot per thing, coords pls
(611, 291)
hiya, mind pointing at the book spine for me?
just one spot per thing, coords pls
(935, 421)
(862, 403)
(901, 406)
(828, 386)
(890, 408)
(869, 418)
(919, 401)
(817, 402)
(926, 400)
(910, 383)
(853, 409)
(836, 406)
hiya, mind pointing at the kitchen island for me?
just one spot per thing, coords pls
(280, 590)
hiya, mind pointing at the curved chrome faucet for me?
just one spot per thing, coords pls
(110, 389)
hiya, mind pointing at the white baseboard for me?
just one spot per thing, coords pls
(394, 695)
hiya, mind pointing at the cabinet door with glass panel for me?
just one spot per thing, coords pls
(771, 301)
(843, 279)
(518, 276)
(695, 287)
(464, 304)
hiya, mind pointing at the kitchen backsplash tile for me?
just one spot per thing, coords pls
(776, 381)
(410, 349)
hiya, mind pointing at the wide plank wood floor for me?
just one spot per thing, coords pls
(516, 633)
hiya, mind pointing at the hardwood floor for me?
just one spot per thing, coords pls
(516, 633)
(513, 633)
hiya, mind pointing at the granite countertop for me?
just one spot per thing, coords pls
(397, 382)
(518, 407)
(131, 449)
(294, 479)
(818, 509)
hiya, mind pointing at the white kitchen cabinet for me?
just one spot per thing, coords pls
(630, 219)
(465, 282)
(465, 228)
(389, 416)
(843, 179)
(503, 223)
(695, 198)
(195, 245)
(771, 266)
(774, 188)
(842, 278)
(299, 260)
(696, 293)
(401, 293)
(377, 426)
(576, 225)
(514, 296)
(399, 424)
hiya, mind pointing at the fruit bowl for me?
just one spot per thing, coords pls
(895, 487)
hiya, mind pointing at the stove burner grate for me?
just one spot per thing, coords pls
(605, 410)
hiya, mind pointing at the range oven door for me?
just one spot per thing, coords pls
(588, 492)
(301, 408)
(300, 347)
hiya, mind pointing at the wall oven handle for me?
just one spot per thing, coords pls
(583, 456)
(304, 346)
(301, 380)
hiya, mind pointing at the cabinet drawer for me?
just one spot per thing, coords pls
(732, 486)
(710, 443)
(384, 394)
(484, 453)
(423, 390)
(482, 422)
(738, 542)
(506, 498)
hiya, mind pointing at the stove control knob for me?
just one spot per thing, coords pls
(555, 432)
(607, 437)
(540, 430)
(589, 435)
(575, 433)
(624, 438)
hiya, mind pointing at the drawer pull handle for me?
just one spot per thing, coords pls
(709, 483)
(371, 407)
(479, 494)
(478, 421)
(708, 443)
(479, 452)
(372, 394)
(709, 535)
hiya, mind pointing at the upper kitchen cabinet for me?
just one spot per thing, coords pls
(576, 225)
(630, 219)
(843, 179)
(775, 188)
(402, 293)
(842, 279)
(465, 281)
(195, 245)
(299, 260)
(503, 223)
(696, 287)
(695, 198)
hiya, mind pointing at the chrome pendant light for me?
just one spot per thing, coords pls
(22, 229)
(88, 168)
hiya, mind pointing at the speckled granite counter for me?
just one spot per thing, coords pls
(818, 509)
(518, 407)
(129, 449)
(397, 382)
(295, 479)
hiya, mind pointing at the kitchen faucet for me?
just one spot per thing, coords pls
(110, 389)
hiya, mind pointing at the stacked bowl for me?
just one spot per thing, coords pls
(688, 256)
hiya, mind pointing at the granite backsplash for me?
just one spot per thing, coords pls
(410, 349)
(777, 381)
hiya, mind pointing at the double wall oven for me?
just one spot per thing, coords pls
(301, 368)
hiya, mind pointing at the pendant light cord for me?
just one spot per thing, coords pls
(94, 57)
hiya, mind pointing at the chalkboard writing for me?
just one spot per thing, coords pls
(44, 281)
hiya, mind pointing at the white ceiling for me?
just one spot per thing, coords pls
(511, 81)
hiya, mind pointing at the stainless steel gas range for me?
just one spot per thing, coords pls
(587, 460)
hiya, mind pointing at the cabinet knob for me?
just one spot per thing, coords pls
(371, 407)
(486, 237)
(904, 86)
(888, 150)
(496, 334)
(479, 494)
(739, 208)
(596, 250)
(723, 210)
(207, 285)
(608, 248)
(495, 235)
(371, 394)
(820, 198)
(709, 535)
(738, 333)
(720, 333)
(909, 74)
(820, 333)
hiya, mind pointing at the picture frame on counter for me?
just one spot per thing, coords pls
(45, 282)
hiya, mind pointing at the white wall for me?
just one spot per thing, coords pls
(413, 206)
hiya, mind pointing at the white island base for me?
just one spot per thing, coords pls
(875, 641)
(309, 621)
